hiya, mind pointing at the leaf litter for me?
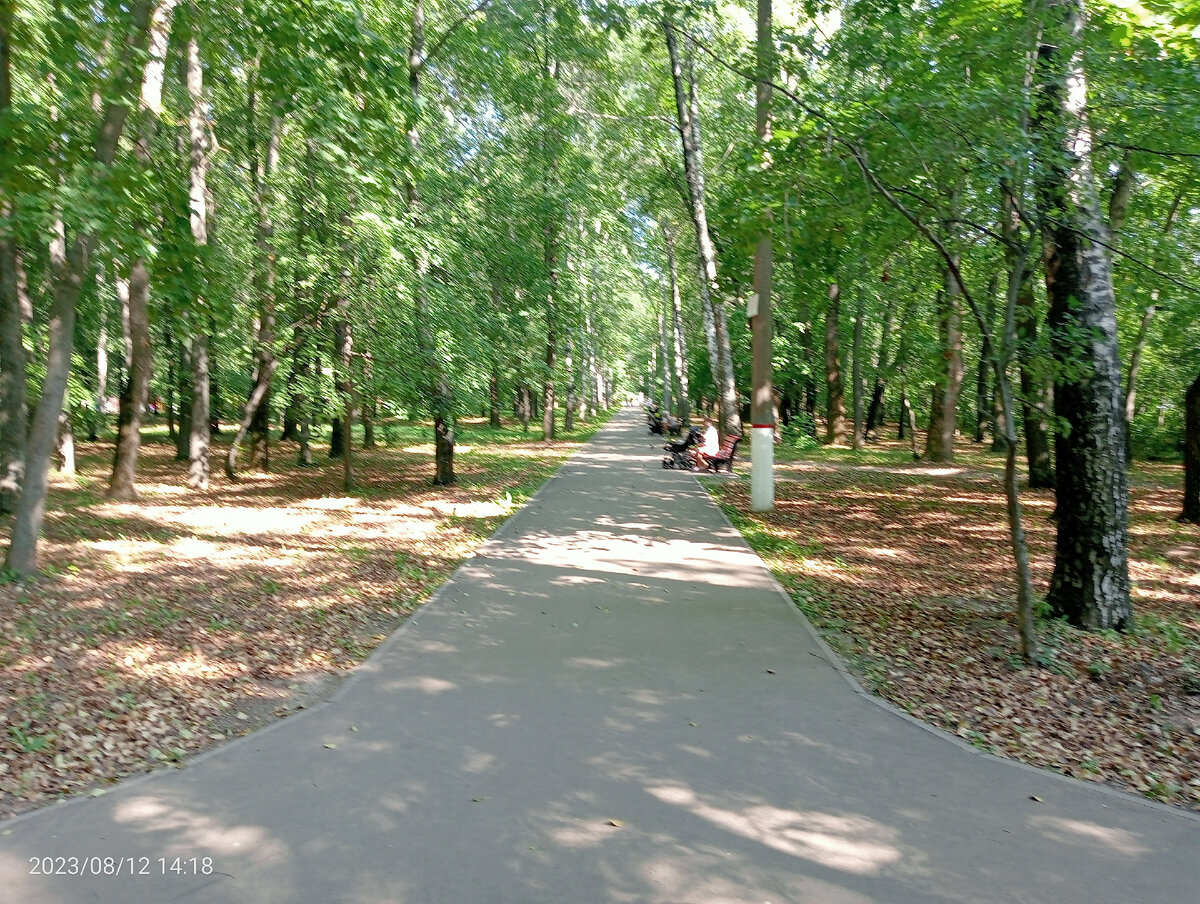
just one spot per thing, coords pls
(907, 572)
(163, 628)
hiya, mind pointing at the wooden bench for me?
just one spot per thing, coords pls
(724, 455)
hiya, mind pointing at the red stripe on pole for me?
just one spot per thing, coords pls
(762, 426)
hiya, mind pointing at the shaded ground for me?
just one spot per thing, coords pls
(165, 627)
(906, 569)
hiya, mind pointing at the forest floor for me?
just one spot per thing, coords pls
(906, 570)
(165, 627)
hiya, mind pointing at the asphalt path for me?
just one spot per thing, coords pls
(612, 703)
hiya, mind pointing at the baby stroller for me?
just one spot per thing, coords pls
(680, 456)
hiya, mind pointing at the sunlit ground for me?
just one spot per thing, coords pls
(170, 624)
(907, 568)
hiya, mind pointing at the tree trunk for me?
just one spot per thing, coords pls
(569, 411)
(199, 413)
(1036, 393)
(344, 338)
(943, 421)
(67, 274)
(720, 356)
(136, 390)
(679, 340)
(13, 407)
(261, 172)
(835, 406)
(337, 438)
(875, 413)
(494, 399)
(199, 433)
(524, 406)
(135, 394)
(856, 371)
(65, 458)
(182, 368)
(666, 375)
(1191, 455)
(304, 409)
(548, 384)
(1090, 586)
(438, 388)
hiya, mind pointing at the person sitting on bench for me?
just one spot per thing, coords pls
(710, 445)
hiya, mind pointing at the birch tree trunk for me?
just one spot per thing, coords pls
(687, 105)
(1090, 586)
(136, 391)
(198, 436)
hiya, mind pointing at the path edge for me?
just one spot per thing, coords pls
(836, 663)
(352, 677)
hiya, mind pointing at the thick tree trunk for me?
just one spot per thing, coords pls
(1090, 586)
(943, 421)
(835, 406)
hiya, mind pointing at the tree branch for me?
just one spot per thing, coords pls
(449, 32)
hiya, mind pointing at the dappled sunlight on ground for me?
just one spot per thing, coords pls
(187, 617)
(909, 571)
(850, 843)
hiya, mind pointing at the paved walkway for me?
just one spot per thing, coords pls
(611, 704)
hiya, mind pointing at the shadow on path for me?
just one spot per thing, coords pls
(610, 703)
